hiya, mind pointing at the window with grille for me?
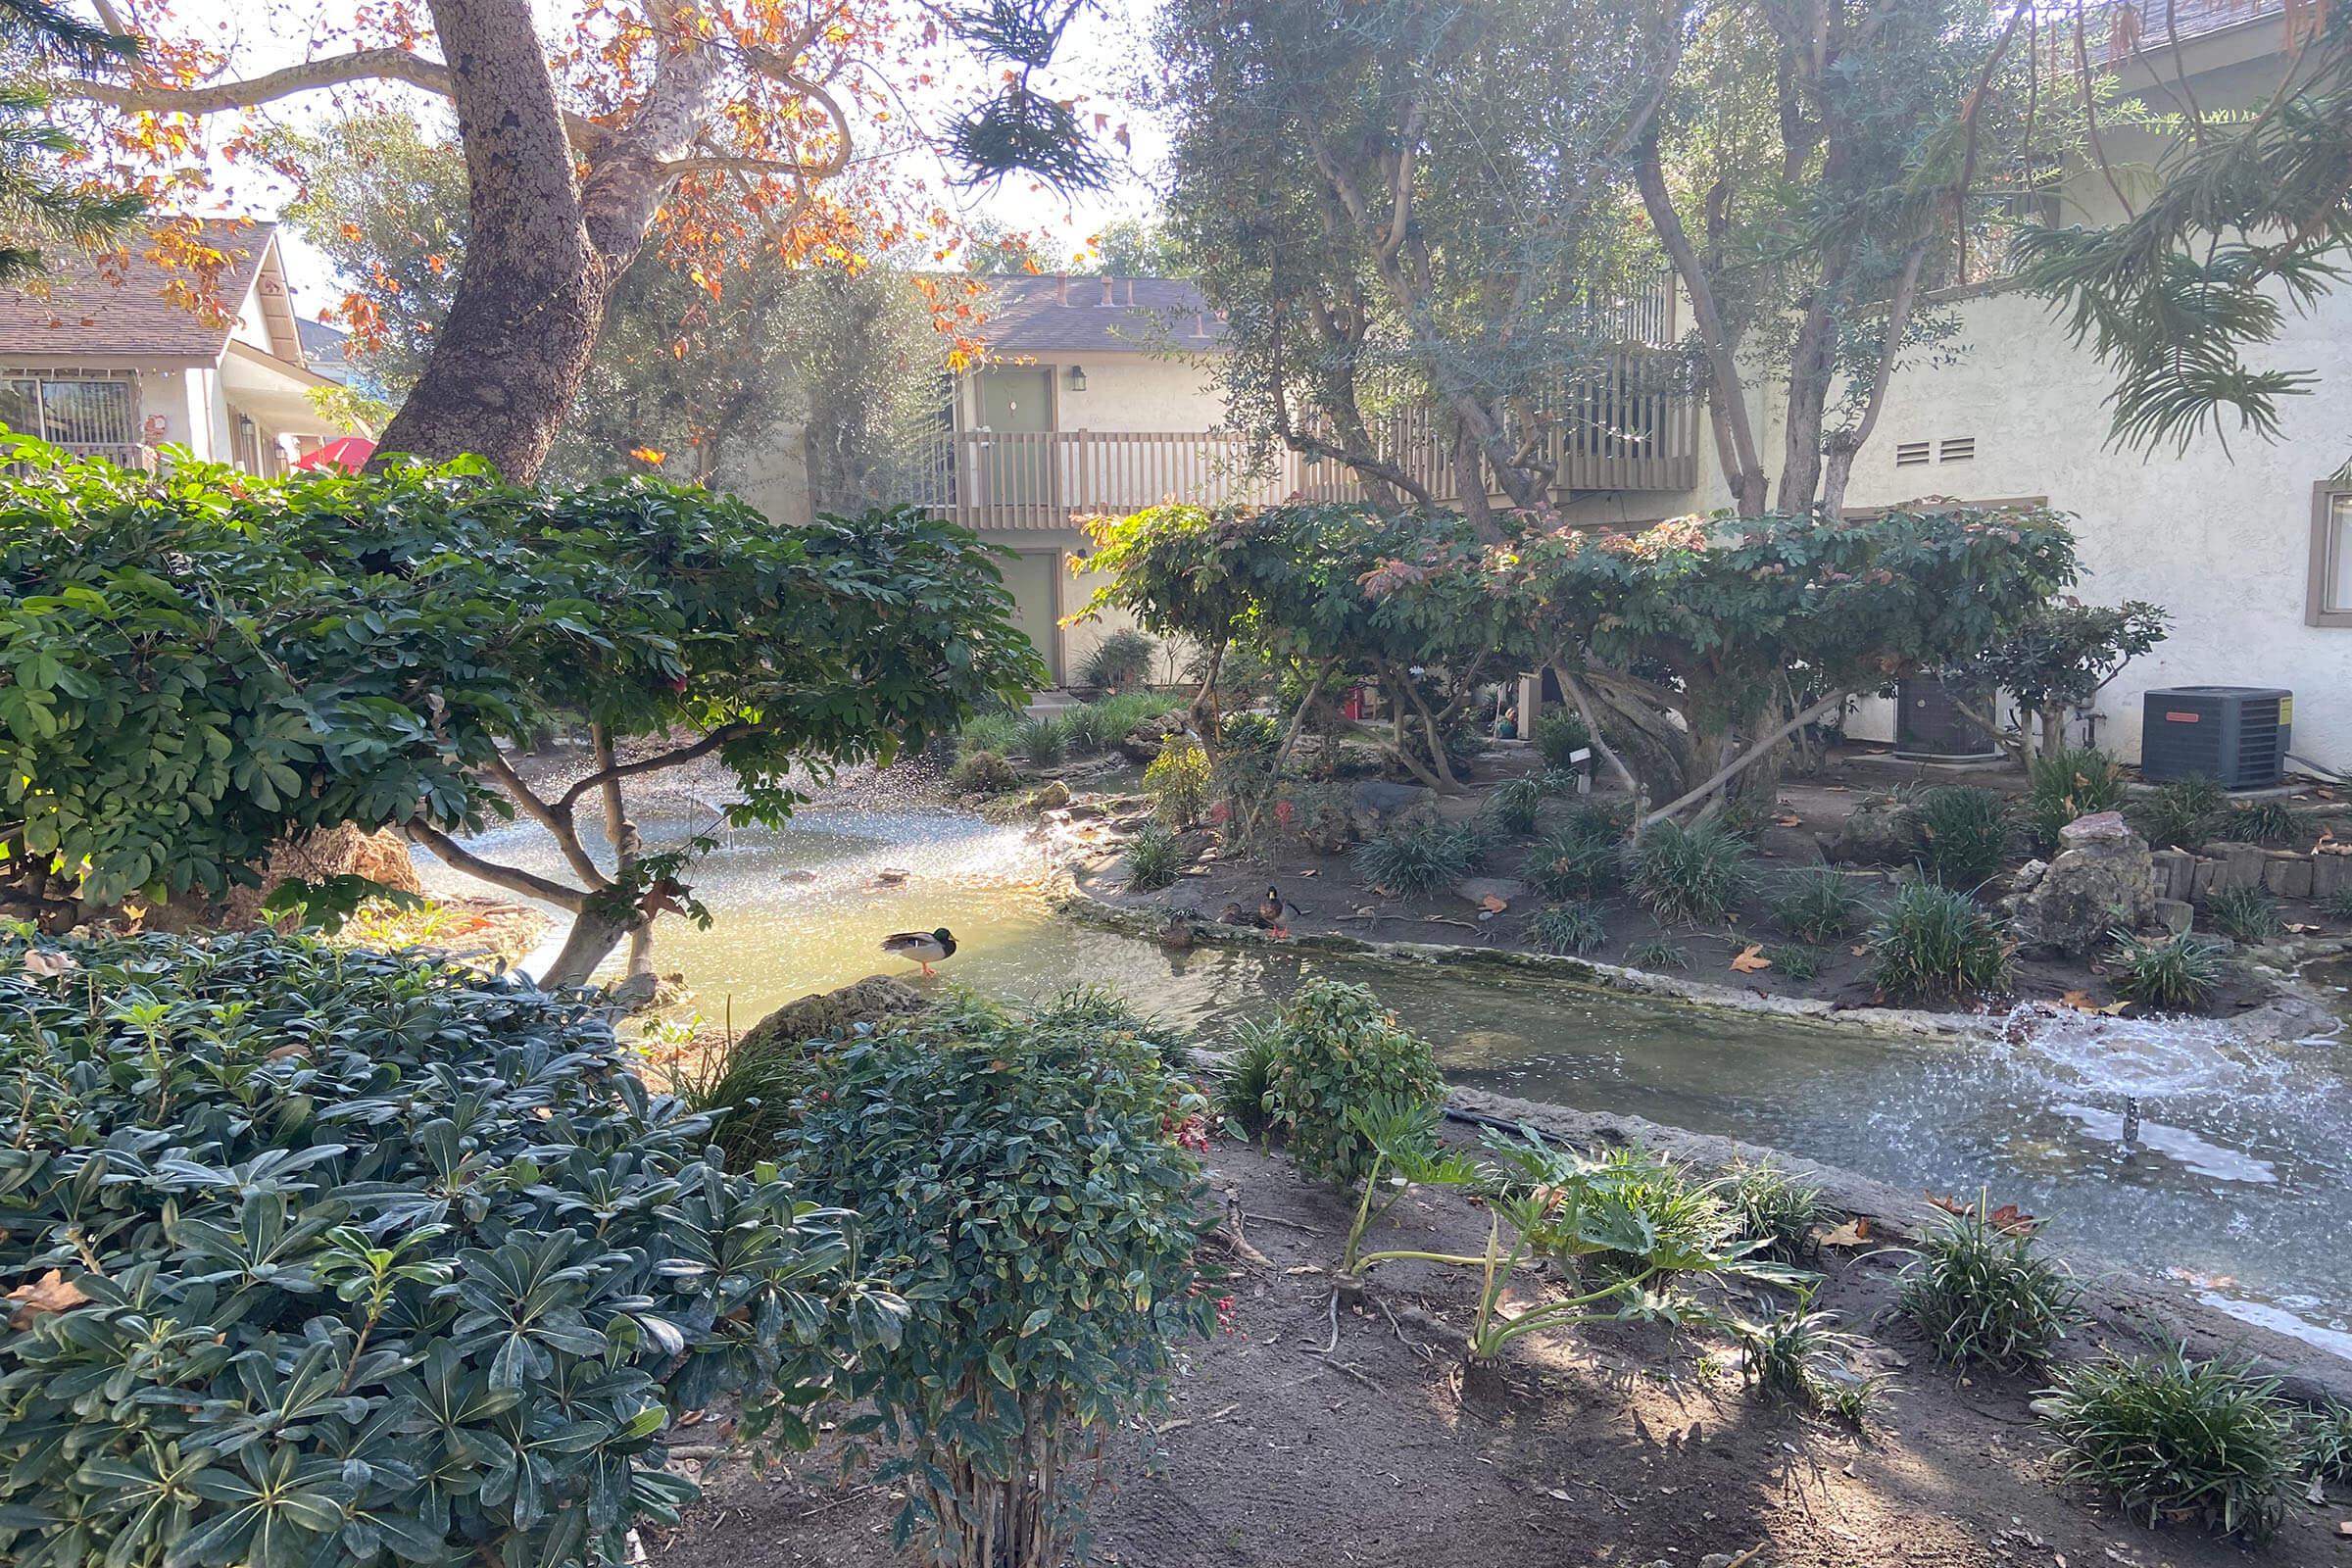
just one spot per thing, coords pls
(99, 408)
(2330, 556)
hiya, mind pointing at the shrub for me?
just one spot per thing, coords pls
(1797, 962)
(2183, 812)
(2067, 783)
(2181, 974)
(1022, 1182)
(2262, 822)
(1963, 834)
(1558, 734)
(1688, 874)
(2337, 905)
(1248, 732)
(1583, 860)
(1090, 727)
(1985, 1293)
(2246, 914)
(1119, 660)
(1040, 740)
(1932, 942)
(1515, 804)
(2172, 1438)
(1339, 1051)
(423, 1273)
(1155, 857)
(1178, 781)
(983, 774)
(989, 732)
(1799, 1356)
(1657, 952)
(1419, 855)
(1568, 928)
(1817, 904)
(1776, 1210)
(1247, 1077)
(2325, 1438)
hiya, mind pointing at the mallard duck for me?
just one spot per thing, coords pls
(1177, 935)
(925, 948)
(1274, 913)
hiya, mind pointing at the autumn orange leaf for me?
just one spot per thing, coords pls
(51, 1293)
(1752, 959)
(652, 454)
(1853, 1232)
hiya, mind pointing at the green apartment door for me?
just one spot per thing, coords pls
(1018, 473)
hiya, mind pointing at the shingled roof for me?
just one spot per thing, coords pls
(1062, 315)
(115, 304)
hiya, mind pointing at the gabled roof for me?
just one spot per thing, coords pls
(117, 304)
(322, 348)
(1052, 313)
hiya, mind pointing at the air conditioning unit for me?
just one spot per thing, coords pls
(1929, 725)
(2237, 734)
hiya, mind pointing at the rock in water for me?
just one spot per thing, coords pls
(1143, 743)
(2101, 880)
(834, 1015)
(1053, 798)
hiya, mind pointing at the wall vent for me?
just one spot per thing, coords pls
(1910, 454)
(1959, 447)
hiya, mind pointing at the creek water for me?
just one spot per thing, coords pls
(2236, 1174)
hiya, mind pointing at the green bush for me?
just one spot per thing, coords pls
(1247, 1078)
(2169, 1437)
(2182, 974)
(1817, 904)
(1178, 781)
(2272, 822)
(1584, 858)
(1776, 1210)
(2325, 1438)
(1119, 660)
(1155, 857)
(2337, 905)
(1987, 1294)
(1515, 804)
(1022, 1182)
(357, 1258)
(1799, 1356)
(1248, 732)
(1798, 960)
(2070, 782)
(1419, 855)
(1040, 740)
(1339, 1051)
(2246, 914)
(1688, 875)
(1934, 944)
(1557, 735)
(1090, 728)
(1657, 952)
(989, 732)
(2182, 812)
(1568, 929)
(983, 774)
(1963, 834)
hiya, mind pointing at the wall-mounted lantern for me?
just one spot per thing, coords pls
(1077, 378)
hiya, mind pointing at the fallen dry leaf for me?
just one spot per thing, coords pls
(1789, 819)
(1312, 870)
(51, 1293)
(1859, 951)
(1495, 905)
(1853, 1232)
(1751, 958)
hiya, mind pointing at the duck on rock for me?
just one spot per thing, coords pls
(925, 948)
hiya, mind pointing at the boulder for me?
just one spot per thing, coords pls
(2288, 874)
(1478, 889)
(2329, 873)
(1053, 798)
(1143, 743)
(2174, 916)
(1375, 803)
(832, 1015)
(2237, 866)
(2176, 873)
(2101, 880)
(1881, 831)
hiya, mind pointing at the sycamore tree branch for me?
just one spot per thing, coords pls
(1747, 759)
(559, 823)
(1727, 390)
(513, 879)
(617, 771)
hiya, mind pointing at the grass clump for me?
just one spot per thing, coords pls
(2273, 823)
(1247, 1077)
(1155, 857)
(1777, 1212)
(2246, 914)
(1178, 781)
(1557, 734)
(1799, 1356)
(1118, 661)
(2169, 1437)
(1041, 740)
(2182, 974)
(1419, 855)
(1515, 804)
(1688, 875)
(983, 774)
(2337, 905)
(1657, 952)
(2181, 813)
(1798, 960)
(1584, 858)
(1090, 728)
(1963, 834)
(996, 732)
(1987, 1294)
(2326, 1437)
(2070, 782)
(1934, 944)
(1817, 904)
(1572, 929)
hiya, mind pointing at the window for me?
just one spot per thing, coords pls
(2330, 554)
(65, 405)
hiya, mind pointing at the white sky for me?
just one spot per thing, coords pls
(1098, 63)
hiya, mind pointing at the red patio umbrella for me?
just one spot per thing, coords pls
(349, 453)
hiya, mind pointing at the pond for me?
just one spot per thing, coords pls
(2238, 1176)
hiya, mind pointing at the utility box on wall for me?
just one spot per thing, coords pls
(2237, 734)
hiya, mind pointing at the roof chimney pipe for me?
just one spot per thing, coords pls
(1062, 288)
(1107, 287)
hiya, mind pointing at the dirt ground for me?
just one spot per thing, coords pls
(1614, 1448)
(1331, 898)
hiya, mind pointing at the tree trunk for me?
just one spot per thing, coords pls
(592, 938)
(531, 297)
